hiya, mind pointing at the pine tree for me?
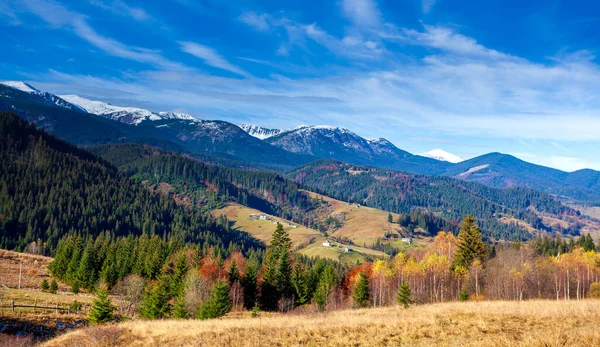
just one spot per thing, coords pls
(233, 273)
(390, 218)
(276, 269)
(180, 309)
(361, 292)
(404, 297)
(248, 283)
(219, 303)
(324, 288)
(102, 309)
(470, 246)
(45, 286)
(155, 304)
(75, 287)
(53, 286)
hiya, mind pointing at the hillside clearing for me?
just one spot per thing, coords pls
(533, 323)
(363, 225)
(336, 251)
(263, 229)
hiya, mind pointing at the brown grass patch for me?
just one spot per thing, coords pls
(533, 323)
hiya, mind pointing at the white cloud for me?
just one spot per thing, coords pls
(258, 22)
(211, 57)
(362, 13)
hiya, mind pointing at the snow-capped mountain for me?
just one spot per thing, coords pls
(27, 88)
(441, 155)
(260, 132)
(344, 145)
(129, 115)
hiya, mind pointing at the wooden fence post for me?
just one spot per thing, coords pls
(13, 306)
(35, 306)
(57, 308)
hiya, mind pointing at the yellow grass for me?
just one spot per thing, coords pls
(34, 269)
(533, 323)
(263, 229)
(363, 225)
(316, 249)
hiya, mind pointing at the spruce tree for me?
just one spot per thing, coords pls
(404, 297)
(155, 304)
(361, 291)
(324, 287)
(75, 287)
(219, 303)
(248, 283)
(276, 269)
(102, 309)
(180, 309)
(470, 246)
(53, 286)
(233, 273)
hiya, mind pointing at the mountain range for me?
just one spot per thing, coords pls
(83, 121)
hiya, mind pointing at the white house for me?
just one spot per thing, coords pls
(408, 240)
(326, 243)
(263, 217)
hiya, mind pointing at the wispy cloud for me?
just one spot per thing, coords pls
(258, 22)
(60, 17)
(211, 57)
(121, 8)
(362, 13)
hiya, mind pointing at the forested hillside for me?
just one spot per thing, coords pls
(210, 186)
(50, 189)
(448, 198)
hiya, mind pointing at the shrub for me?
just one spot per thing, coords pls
(45, 286)
(53, 286)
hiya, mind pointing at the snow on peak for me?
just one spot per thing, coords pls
(260, 132)
(441, 155)
(176, 115)
(22, 86)
(131, 115)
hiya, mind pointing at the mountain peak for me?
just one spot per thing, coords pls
(130, 115)
(260, 132)
(441, 155)
(22, 86)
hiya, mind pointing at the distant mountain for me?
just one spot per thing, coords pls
(441, 155)
(129, 115)
(92, 122)
(260, 132)
(51, 98)
(514, 213)
(342, 144)
(503, 170)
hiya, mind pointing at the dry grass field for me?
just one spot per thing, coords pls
(363, 225)
(263, 229)
(35, 269)
(532, 323)
(335, 252)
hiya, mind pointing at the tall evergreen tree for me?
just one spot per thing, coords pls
(470, 246)
(102, 309)
(361, 291)
(404, 297)
(249, 284)
(155, 304)
(219, 303)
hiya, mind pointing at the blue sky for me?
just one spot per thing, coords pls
(470, 77)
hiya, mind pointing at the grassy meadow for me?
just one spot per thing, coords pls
(501, 323)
